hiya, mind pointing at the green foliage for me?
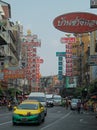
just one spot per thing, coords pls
(93, 87)
(1, 91)
(78, 92)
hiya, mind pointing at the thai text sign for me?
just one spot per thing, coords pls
(76, 22)
(68, 40)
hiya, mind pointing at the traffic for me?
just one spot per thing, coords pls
(57, 117)
(48, 83)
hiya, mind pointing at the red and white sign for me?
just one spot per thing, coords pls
(38, 60)
(68, 40)
(76, 22)
(34, 44)
(68, 74)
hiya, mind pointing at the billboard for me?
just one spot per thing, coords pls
(76, 22)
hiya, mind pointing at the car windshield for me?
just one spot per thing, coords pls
(49, 98)
(28, 106)
(57, 98)
(74, 100)
(40, 99)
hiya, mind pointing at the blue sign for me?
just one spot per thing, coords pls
(60, 58)
(60, 72)
(60, 77)
(60, 63)
(60, 68)
(60, 53)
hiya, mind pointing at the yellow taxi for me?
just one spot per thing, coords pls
(28, 112)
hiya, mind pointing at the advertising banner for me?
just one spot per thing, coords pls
(76, 22)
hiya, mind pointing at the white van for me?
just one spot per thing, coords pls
(57, 100)
(39, 96)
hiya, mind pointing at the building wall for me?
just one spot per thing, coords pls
(80, 56)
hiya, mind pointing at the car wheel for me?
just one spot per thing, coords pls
(13, 123)
(52, 105)
(39, 121)
(46, 114)
(43, 119)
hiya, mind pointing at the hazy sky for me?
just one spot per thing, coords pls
(38, 16)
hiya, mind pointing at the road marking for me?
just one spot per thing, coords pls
(81, 120)
(56, 121)
(6, 123)
(59, 111)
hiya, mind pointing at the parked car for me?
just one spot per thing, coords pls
(74, 102)
(28, 112)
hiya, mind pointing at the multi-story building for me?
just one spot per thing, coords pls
(9, 41)
(80, 52)
(8, 34)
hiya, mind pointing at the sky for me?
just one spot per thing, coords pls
(38, 16)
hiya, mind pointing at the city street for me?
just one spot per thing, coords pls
(57, 118)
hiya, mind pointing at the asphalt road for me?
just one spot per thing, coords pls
(58, 118)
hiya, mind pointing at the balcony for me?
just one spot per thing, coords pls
(3, 41)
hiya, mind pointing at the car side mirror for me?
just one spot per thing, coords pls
(42, 108)
(15, 108)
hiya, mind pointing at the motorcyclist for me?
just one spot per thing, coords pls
(9, 106)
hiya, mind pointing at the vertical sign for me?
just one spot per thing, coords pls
(60, 67)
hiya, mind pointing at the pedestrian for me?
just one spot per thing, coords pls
(78, 106)
(67, 104)
(9, 106)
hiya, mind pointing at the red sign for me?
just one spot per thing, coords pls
(76, 22)
(68, 40)
(38, 60)
(34, 44)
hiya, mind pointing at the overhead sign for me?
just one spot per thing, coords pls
(76, 22)
(68, 40)
(93, 3)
